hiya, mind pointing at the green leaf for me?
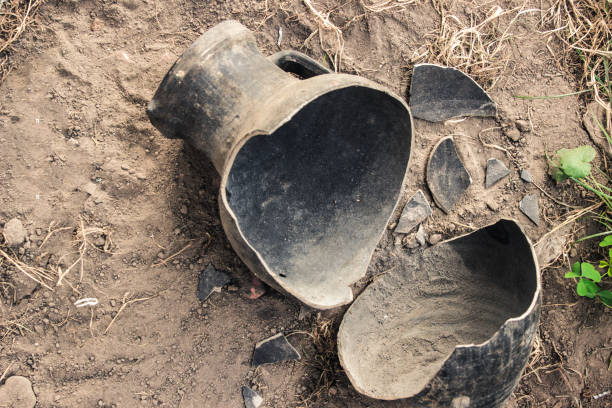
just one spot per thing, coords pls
(606, 297)
(587, 288)
(588, 271)
(607, 241)
(575, 272)
(603, 264)
(575, 162)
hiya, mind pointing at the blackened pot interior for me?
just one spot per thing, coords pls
(313, 197)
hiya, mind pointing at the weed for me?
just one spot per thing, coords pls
(575, 164)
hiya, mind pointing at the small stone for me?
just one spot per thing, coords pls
(493, 205)
(529, 207)
(113, 303)
(38, 232)
(332, 391)
(435, 238)
(100, 242)
(526, 176)
(211, 280)
(125, 167)
(232, 288)
(496, 170)
(251, 398)
(420, 235)
(141, 176)
(183, 209)
(274, 350)
(523, 125)
(14, 233)
(447, 178)
(416, 211)
(513, 133)
(17, 393)
(410, 242)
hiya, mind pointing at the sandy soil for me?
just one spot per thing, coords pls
(76, 146)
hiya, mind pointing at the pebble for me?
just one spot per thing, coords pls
(435, 238)
(125, 167)
(14, 233)
(523, 125)
(183, 209)
(493, 205)
(17, 393)
(513, 133)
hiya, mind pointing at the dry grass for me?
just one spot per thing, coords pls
(386, 5)
(478, 47)
(15, 16)
(51, 276)
(325, 361)
(585, 27)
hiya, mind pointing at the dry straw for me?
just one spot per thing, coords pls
(478, 47)
(585, 27)
(15, 16)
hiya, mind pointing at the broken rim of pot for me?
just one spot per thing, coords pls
(438, 93)
(454, 322)
(320, 272)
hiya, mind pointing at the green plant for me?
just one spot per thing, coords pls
(575, 165)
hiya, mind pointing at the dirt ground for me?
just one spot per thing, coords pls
(76, 147)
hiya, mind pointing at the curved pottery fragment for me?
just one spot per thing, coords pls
(311, 169)
(438, 93)
(451, 326)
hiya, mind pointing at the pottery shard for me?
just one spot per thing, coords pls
(251, 398)
(17, 393)
(595, 113)
(14, 233)
(416, 211)
(439, 93)
(274, 350)
(211, 280)
(529, 206)
(496, 170)
(447, 178)
(526, 176)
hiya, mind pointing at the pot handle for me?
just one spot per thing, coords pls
(298, 64)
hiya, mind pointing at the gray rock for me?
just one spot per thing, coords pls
(17, 393)
(14, 233)
(526, 176)
(420, 236)
(523, 125)
(23, 286)
(416, 211)
(529, 206)
(513, 133)
(251, 398)
(439, 93)
(447, 178)
(274, 350)
(211, 280)
(496, 170)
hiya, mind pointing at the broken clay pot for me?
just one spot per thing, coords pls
(451, 325)
(311, 169)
